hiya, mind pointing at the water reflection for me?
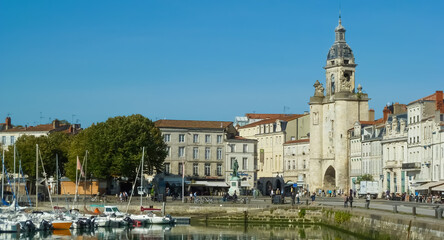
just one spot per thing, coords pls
(181, 232)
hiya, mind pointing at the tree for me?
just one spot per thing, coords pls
(365, 177)
(55, 143)
(115, 147)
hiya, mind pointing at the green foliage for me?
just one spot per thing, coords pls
(49, 146)
(302, 213)
(341, 217)
(365, 177)
(115, 147)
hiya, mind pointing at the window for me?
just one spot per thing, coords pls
(12, 140)
(219, 169)
(219, 153)
(195, 153)
(207, 169)
(232, 162)
(166, 137)
(181, 151)
(207, 153)
(219, 138)
(168, 150)
(195, 138)
(232, 147)
(304, 166)
(207, 138)
(4, 140)
(244, 163)
(180, 172)
(181, 137)
(167, 168)
(245, 148)
(195, 169)
(294, 165)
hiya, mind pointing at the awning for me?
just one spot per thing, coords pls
(439, 188)
(245, 184)
(429, 185)
(209, 184)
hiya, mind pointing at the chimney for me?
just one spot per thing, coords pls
(386, 113)
(371, 115)
(439, 101)
(55, 124)
(8, 123)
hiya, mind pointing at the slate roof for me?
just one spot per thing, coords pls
(165, 123)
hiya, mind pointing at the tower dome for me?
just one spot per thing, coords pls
(340, 48)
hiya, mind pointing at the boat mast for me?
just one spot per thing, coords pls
(15, 185)
(84, 188)
(36, 176)
(77, 186)
(141, 177)
(57, 178)
(3, 171)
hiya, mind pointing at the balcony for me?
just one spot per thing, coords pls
(413, 166)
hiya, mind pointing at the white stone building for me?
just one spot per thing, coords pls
(425, 142)
(394, 148)
(196, 147)
(243, 151)
(10, 134)
(296, 161)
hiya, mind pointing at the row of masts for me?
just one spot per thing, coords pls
(77, 180)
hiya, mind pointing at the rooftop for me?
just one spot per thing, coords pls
(191, 124)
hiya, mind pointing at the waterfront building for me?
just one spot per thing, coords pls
(243, 151)
(365, 151)
(425, 144)
(197, 149)
(271, 134)
(333, 113)
(297, 159)
(394, 148)
(9, 134)
(249, 118)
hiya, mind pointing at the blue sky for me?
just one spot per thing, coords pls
(206, 60)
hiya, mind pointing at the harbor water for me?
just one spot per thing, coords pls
(214, 231)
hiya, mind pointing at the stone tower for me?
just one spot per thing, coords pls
(333, 113)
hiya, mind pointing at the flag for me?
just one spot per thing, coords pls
(79, 167)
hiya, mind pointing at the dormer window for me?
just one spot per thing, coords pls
(332, 62)
(345, 61)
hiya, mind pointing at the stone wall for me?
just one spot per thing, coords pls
(374, 226)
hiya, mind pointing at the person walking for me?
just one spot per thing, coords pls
(350, 200)
(346, 201)
(367, 201)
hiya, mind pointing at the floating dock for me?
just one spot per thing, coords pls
(182, 220)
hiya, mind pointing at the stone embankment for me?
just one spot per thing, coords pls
(361, 222)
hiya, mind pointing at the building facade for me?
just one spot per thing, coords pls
(243, 151)
(296, 161)
(196, 149)
(10, 134)
(394, 148)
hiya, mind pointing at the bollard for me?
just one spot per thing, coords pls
(414, 210)
(306, 201)
(395, 208)
(440, 210)
(436, 212)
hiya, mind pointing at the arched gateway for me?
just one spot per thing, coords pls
(330, 178)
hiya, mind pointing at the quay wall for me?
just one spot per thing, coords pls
(364, 223)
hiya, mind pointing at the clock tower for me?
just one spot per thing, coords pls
(333, 111)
